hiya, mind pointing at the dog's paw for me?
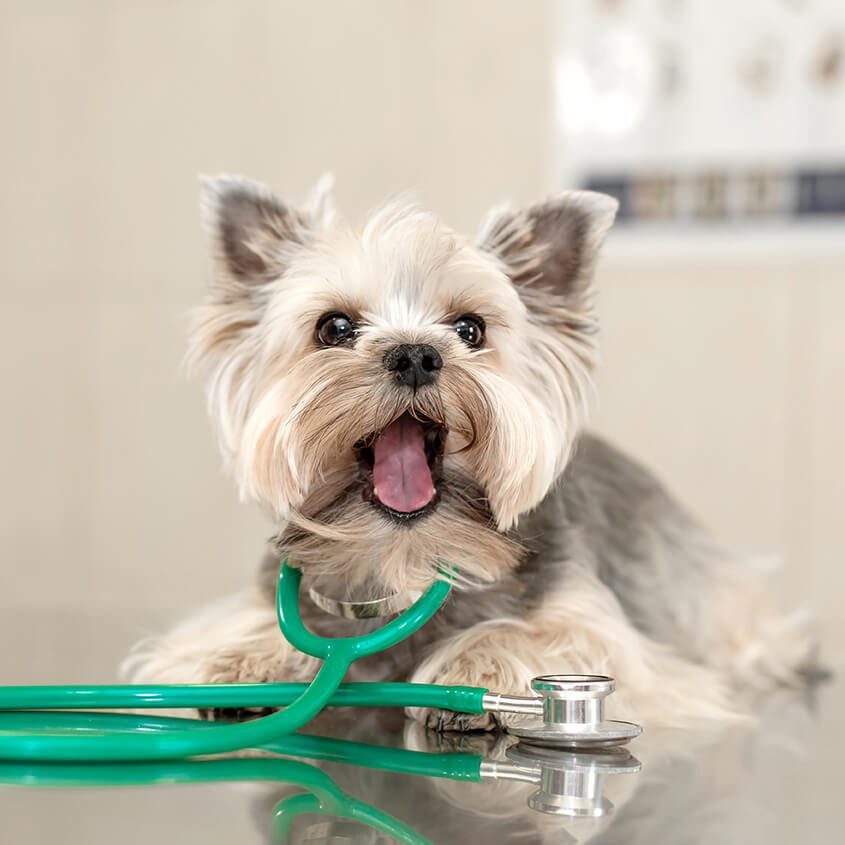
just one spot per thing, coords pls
(474, 658)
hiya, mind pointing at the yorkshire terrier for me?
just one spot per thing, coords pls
(400, 397)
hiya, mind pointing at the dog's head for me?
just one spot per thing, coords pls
(399, 392)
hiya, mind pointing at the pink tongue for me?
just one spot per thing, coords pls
(401, 476)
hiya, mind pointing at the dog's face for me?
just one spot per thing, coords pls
(400, 392)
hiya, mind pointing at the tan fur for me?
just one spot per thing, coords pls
(597, 572)
(234, 640)
(581, 629)
(276, 397)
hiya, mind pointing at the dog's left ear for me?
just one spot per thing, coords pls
(551, 245)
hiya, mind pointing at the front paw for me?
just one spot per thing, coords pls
(474, 658)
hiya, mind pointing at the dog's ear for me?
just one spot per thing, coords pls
(253, 232)
(253, 238)
(551, 245)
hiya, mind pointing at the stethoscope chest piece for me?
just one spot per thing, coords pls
(573, 715)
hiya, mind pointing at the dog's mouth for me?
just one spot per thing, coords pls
(402, 465)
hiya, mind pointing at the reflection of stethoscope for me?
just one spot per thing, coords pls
(321, 794)
(569, 783)
(568, 713)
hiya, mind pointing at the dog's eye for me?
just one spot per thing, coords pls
(470, 329)
(334, 329)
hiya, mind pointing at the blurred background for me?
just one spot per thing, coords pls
(722, 288)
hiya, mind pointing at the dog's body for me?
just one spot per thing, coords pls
(401, 397)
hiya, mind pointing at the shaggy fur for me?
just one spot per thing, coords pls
(571, 557)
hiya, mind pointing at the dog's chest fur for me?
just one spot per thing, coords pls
(607, 515)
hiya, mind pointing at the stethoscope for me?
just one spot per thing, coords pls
(566, 713)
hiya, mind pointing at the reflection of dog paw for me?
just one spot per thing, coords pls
(460, 741)
(445, 720)
(418, 737)
(234, 714)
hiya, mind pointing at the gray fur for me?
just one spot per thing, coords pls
(570, 556)
(608, 514)
(611, 514)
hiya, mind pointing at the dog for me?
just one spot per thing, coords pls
(399, 397)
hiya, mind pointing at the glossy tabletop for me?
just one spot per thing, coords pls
(772, 780)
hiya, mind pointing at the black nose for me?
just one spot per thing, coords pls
(415, 364)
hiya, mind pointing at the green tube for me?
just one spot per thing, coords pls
(288, 809)
(294, 772)
(236, 696)
(353, 648)
(96, 745)
(338, 654)
(453, 766)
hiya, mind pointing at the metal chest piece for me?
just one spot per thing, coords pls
(573, 714)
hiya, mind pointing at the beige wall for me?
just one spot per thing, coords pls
(724, 370)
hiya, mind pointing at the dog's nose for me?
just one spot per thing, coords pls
(414, 364)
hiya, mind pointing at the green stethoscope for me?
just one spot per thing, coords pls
(567, 713)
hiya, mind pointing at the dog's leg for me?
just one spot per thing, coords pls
(234, 641)
(710, 605)
(728, 619)
(580, 628)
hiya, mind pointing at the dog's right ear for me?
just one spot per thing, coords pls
(253, 232)
(253, 235)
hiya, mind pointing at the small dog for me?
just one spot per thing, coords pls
(401, 396)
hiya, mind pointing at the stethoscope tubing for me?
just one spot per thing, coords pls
(322, 795)
(103, 745)
(461, 699)
(454, 766)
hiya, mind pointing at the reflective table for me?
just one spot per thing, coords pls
(374, 777)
